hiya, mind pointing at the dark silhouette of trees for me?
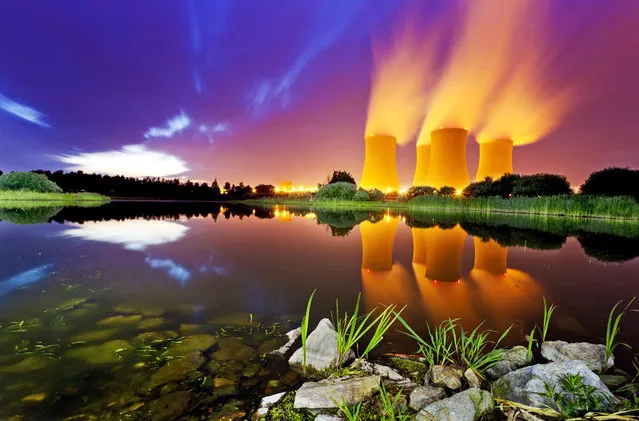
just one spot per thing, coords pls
(265, 189)
(613, 181)
(342, 176)
(415, 191)
(447, 191)
(541, 185)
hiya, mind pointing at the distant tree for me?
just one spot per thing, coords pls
(1, 172)
(613, 181)
(415, 191)
(342, 176)
(541, 185)
(361, 195)
(506, 183)
(215, 188)
(265, 189)
(376, 195)
(447, 191)
(336, 191)
(227, 186)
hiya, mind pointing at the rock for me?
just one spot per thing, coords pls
(107, 353)
(225, 381)
(270, 344)
(268, 401)
(176, 369)
(614, 381)
(151, 323)
(148, 337)
(512, 359)
(425, 395)
(233, 319)
(321, 395)
(189, 344)
(325, 417)
(412, 368)
(381, 370)
(251, 370)
(472, 378)
(191, 329)
(528, 385)
(233, 349)
(444, 376)
(31, 363)
(594, 355)
(169, 407)
(292, 336)
(321, 348)
(120, 320)
(468, 405)
(95, 335)
(147, 310)
(36, 397)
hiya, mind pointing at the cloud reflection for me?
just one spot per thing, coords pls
(132, 234)
(25, 278)
(174, 270)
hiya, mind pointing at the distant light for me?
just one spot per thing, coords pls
(388, 190)
(458, 192)
(254, 190)
(277, 189)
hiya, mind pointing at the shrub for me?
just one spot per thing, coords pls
(336, 191)
(376, 195)
(342, 176)
(28, 181)
(447, 191)
(506, 183)
(613, 181)
(420, 191)
(484, 188)
(541, 185)
(265, 189)
(361, 195)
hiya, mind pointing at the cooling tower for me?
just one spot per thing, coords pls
(419, 245)
(448, 159)
(377, 243)
(421, 167)
(380, 166)
(444, 248)
(495, 159)
(490, 257)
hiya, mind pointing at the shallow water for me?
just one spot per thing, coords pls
(219, 271)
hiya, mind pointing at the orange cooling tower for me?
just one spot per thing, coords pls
(380, 166)
(377, 243)
(490, 257)
(448, 159)
(495, 159)
(444, 253)
(419, 245)
(421, 168)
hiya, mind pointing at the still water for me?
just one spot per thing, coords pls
(78, 286)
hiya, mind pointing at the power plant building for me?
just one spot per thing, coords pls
(380, 164)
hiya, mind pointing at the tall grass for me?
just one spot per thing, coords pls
(304, 329)
(21, 199)
(450, 343)
(351, 414)
(531, 340)
(352, 328)
(612, 328)
(391, 410)
(548, 311)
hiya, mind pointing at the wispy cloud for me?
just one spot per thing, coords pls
(209, 131)
(131, 160)
(174, 270)
(22, 111)
(172, 126)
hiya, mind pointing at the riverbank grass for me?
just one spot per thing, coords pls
(21, 199)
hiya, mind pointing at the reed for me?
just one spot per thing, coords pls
(351, 414)
(304, 329)
(391, 410)
(612, 329)
(548, 311)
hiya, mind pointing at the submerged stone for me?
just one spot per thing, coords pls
(95, 335)
(148, 310)
(193, 343)
(151, 323)
(169, 407)
(120, 320)
(233, 349)
(176, 369)
(191, 329)
(234, 319)
(148, 337)
(107, 353)
(31, 363)
(36, 397)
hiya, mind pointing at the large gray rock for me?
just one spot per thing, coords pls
(425, 395)
(594, 355)
(468, 405)
(444, 376)
(291, 336)
(324, 394)
(325, 417)
(528, 385)
(380, 370)
(512, 359)
(321, 348)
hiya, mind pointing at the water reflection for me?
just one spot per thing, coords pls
(25, 278)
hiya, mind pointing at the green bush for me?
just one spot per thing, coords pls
(336, 191)
(541, 185)
(447, 191)
(376, 195)
(361, 196)
(613, 182)
(28, 181)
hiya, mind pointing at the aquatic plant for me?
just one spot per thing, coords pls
(548, 311)
(473, 348)
(531, 339)
(439, 348)
(304, 329)
(612, 328)
(577, 398)
(38, 349)
(351, 329)
(155, 353)
(391, 410)
(351, 413)
(21, 326)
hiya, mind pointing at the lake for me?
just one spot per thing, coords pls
(79, 289)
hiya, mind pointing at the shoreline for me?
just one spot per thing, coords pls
(28, 200)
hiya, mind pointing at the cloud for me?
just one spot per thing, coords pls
(175, 271)
(209, 131)
(132, 234)
(172, 126)
(22, 111)
(131, 161)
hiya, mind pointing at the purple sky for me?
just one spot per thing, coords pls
(263, 91)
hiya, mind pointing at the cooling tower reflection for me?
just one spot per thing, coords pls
(507, 295)
(383, 282)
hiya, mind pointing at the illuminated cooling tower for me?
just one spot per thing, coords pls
(421, 167)
(448, 159)
(377, 243)
(490, 257)
(380, 166)
(444, 253)
(495, 159)
(419, 245)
